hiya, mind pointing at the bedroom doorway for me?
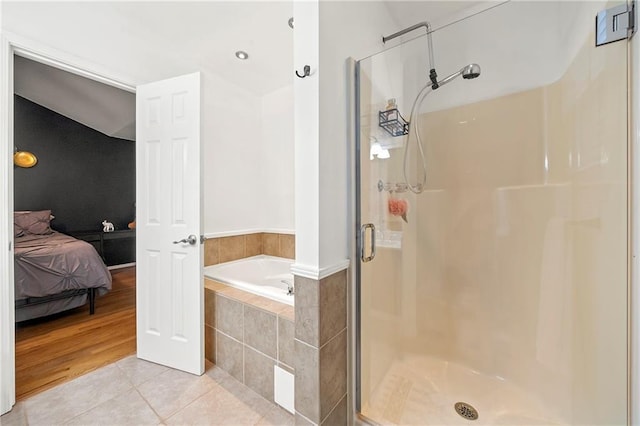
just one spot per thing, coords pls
(86, 128)
(174, 254)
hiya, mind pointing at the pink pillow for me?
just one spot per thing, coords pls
(36, 222)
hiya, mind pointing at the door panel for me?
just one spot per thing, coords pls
(505, 278)
(170, 288)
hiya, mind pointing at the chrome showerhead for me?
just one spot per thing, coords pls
(468, 72)
(471, 71)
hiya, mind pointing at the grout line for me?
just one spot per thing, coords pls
(277, 340)
(243, 347)
(305, 417)
(163, 419)
(226, 335)
(188, 405)
(243, 365)
(103, 402)
(305, 343)
(333, 338)
(218, 250)
(124, 372)
(334, 408)
(244, 245)
(148, 404)
(260, 308)
(244, 337)
(24, 412)
(261, 353)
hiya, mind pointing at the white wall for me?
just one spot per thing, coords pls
(232, 168)
(277, 145)
(306, 135)
(249, 164)
(98, 37)
(327, 34)
(346, 29)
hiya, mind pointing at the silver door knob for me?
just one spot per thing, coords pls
(191, 239)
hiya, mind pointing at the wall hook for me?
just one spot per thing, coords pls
(307, 72)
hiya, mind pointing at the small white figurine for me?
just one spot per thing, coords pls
(107, 226)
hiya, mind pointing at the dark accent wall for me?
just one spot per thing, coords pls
(82, 175)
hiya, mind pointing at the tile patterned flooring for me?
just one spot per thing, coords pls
(136, 392)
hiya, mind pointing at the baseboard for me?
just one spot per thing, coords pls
(124, 265)
(319, 273)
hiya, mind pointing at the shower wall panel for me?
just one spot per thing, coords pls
(522, 248)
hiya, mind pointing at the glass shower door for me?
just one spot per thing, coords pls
(498, 291)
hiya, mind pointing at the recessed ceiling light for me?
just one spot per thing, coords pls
(291, 22)
(242, 55)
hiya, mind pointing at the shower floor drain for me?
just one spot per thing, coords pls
(466, 410)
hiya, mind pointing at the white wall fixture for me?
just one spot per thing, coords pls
(283, 389)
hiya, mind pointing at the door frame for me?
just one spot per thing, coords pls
(11, 45)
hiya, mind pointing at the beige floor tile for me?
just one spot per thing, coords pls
(127, 409)
(64, 402)
(173, 390)
(216, 373)
(268, 411)
(164, 396)
(241, 392)
(245, 395)
(218, 407)
(139, 371)
(15, 417)
(277, 416)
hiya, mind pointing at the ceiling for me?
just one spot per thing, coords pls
(104, 108)
(208, 34)
(178, 35)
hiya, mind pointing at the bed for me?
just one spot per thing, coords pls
(53, 271)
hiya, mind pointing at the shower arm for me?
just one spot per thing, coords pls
(432, 72)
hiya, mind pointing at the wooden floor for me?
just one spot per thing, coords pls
(61, 347)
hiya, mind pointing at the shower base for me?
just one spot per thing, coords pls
(423, 391)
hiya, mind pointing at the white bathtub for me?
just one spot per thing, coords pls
(262, 275)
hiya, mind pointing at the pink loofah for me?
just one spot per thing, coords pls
(398, 207)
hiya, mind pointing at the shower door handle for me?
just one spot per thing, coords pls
(363, 232)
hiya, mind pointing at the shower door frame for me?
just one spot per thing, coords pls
(633, 225)
(357, 270)
(633, 239)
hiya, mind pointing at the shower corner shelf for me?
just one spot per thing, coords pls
(392, 121)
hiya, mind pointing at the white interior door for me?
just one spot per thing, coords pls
(170, 289)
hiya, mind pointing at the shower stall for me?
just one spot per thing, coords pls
(492, 281)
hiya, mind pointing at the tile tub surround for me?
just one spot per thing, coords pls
(246, 335)
(320, 358)
(225, 249)
(137, 392)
